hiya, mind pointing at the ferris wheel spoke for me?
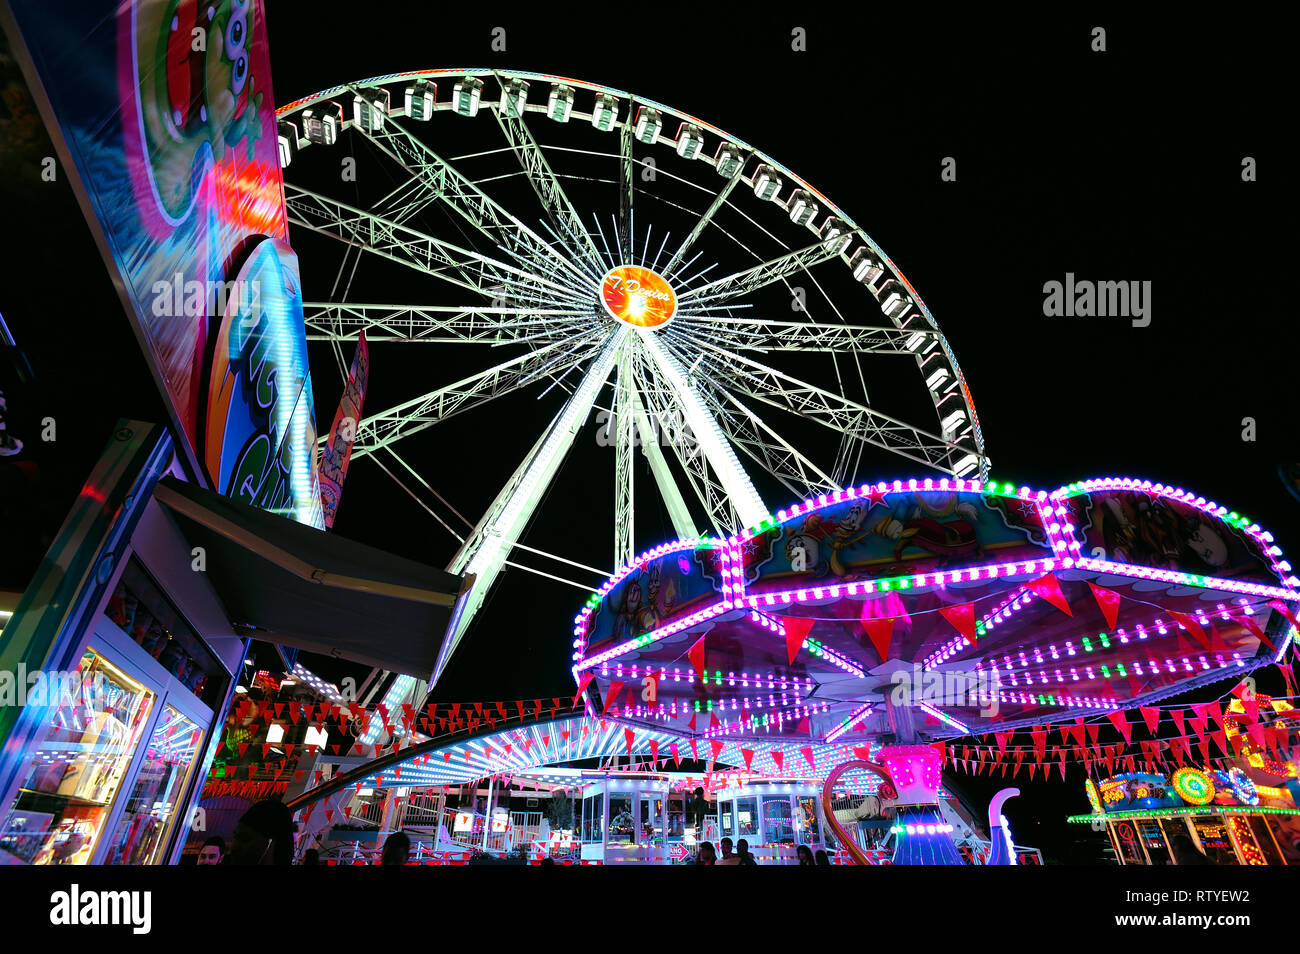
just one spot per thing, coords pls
(485, 550)
(432, 256)
(703, 221)
(410, 417)
(757, 276)
(843, 415)
(440, 181)
(625, 180)
(436, 324)
(761, 334)
(553, 198)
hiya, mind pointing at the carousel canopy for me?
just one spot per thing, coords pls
(936, 608)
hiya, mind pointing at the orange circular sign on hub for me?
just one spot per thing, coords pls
(637, 296)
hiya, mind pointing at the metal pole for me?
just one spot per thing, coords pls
(487, 814)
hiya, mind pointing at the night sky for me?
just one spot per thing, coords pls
(1122, 165)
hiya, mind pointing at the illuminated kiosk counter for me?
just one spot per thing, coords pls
(774, 817)
(1248, 814)
(641, 818)
(624, 818)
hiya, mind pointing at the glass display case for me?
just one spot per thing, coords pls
(150, 813)
(84, 752)
(114, 761)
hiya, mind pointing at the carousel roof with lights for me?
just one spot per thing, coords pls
(929, 601)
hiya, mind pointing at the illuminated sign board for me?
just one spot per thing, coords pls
(637, 296)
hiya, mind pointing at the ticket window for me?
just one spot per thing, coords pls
(807, 827)
(676, 816)
(747, 819)
(778, 820)
(726, 816)
(652, 820)
(622, 821)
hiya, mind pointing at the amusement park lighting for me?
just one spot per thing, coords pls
(849, 723)
(1180, 812)
(943, 717)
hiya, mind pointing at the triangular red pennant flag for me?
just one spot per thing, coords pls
(1151, 715)
(1120, 721)
(748, 756)
(695, 749)
(1177, 716)
(796, 631)
(962, 618)
(583, 682)
(691, 725)
(654, 751)
(696, 655)
(628, 736)
(1108, 600)
(1193, 626)
(716, 745)
(778, 757)
(1221, 740)
(1048, 587)
(879, 632)
(612, 695)
(677, 759)
(1257, 631)
(1002, 738)
(807, 753)
(1285, 611)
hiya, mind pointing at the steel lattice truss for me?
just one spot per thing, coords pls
(714, 373)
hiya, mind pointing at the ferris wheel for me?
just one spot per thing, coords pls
(709, 306)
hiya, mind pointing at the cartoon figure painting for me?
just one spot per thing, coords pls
(805, 548)
(1142, 529)
(645, 602)
(939, 522)
(197, 92)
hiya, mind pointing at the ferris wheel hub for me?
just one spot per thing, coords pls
(638, 297)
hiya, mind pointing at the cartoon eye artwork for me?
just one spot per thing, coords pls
(236, 34)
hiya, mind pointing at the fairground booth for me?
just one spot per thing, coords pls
(1240, 809)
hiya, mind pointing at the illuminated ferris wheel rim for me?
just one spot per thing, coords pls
(453, 73)
(630, 348)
